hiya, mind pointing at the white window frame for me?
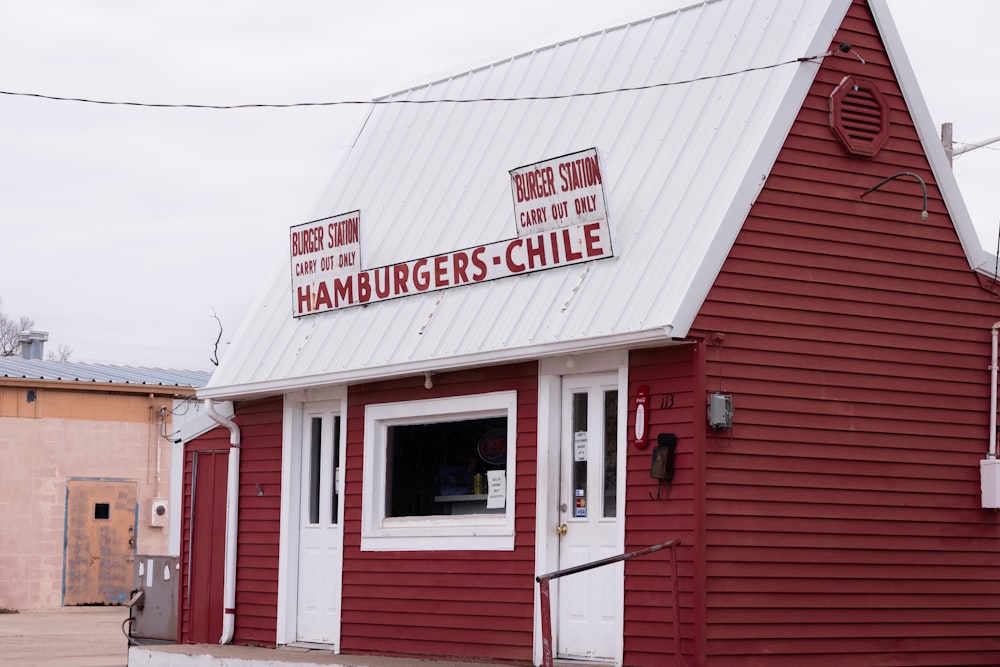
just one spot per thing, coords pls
(485, 532)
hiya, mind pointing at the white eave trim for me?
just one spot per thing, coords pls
(203, 423)
(659, 335)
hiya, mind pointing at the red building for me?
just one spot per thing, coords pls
(753, 232)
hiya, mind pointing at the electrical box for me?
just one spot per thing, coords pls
(989, 471)
(720, 411)
(153, 608)
(664, 455)
(159, 512)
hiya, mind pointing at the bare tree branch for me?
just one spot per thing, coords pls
(62, 354)
(215, 355)
(9, 329)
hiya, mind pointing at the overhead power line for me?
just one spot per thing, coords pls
(459, 100)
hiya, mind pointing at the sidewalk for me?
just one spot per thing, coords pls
(201, 655)
(92, 637)
(64, 637)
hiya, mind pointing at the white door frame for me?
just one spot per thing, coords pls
(550, 374)
(292, 443)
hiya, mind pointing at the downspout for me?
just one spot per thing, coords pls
(232, 517)
(995, 331)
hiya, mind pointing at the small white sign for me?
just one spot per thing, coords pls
(496, 489)
(580, 446)
(559, 192)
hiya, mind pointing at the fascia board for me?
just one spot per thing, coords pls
(202, 424)
(249, 390)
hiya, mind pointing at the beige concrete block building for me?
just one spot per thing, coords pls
(86, 453)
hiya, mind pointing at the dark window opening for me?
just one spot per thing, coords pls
(336, 466)
(102, 511)
(440, 468)
(610, 454)
(315, 467)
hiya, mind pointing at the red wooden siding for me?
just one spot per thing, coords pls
(843, 522)
(672, 375)
(452, 603)
(257, 546)
(197, 605)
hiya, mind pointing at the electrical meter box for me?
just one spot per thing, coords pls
(989, 471)
(153, 607)
(720, 411)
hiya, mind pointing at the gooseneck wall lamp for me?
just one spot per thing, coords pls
(923, 187)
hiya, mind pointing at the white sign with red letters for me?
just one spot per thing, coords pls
(560, 216)
(556, 193)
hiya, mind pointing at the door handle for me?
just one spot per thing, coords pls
(561, 529)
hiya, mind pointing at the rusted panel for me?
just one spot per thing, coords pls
(100, 541)
(155, 617)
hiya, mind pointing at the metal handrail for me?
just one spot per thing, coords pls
(543, 591)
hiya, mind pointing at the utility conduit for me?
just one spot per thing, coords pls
(995, 332)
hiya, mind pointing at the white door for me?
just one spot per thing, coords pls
(320, 536)
(589, 603)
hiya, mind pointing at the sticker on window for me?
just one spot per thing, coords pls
(496, 488)
(580, 446)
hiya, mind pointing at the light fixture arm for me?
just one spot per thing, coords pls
(923, 187)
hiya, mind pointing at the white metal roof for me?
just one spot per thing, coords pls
(682, 165)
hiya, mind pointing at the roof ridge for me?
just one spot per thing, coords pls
(532, 52)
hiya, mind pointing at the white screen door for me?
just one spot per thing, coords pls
(320, 536)
(589, 603)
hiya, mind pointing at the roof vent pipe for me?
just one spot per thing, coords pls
(232, 520)
(32, 344)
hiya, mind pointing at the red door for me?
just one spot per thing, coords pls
(208, 546)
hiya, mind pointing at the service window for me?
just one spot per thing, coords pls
(439, 474)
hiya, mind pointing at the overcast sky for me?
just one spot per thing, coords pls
(125, 228)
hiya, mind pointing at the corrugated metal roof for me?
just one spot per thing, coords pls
(682, 164)
(35, 369)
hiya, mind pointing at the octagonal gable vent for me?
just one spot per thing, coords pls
(859, 116)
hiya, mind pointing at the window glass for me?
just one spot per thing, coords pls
(610, 453)
(439, 474)
(335, 468)
(442, 468)
(580, 446)
(315, 461)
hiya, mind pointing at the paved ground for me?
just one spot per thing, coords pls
(65, 637)
(92, 637)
